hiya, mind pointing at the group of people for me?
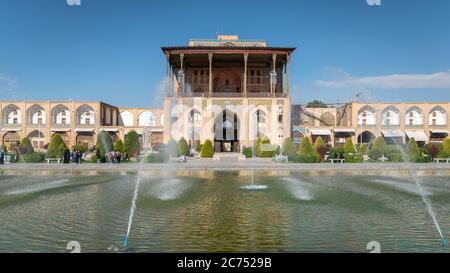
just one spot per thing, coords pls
(75, 156)
(115, 157)
(2, 156)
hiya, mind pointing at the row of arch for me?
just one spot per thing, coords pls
(391, 116)
(145, 119)
(60, 114)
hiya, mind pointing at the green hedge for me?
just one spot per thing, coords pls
(183, 147)
(207, 149)
(378, 148)
(33, 157)
(56, 147)
(247, 152)
(288, 149)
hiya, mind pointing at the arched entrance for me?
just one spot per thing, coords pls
(226, 132)
(366, 137)
(37, 139)
(11, 140)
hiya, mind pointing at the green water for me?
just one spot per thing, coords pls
(210, 211)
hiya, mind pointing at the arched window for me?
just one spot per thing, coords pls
(327, 119)
(147, 119)
(366, 116)
(36, 115)
(260, 117)
(127, 118)
(414, 116)
(85, 115)
(60, 115)
(390, 116)
(195, 116)
(438, 116)
(12, 114)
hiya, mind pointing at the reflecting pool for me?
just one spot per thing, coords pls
(210, 211)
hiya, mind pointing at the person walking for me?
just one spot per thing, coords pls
(2, 156)
(66, 156)
(118, 155)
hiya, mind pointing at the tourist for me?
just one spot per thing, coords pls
(2, 156)
(125, 156)
(118, 155)
(66, 156)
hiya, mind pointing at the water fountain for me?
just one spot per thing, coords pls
(132, 210)
(425, 198)
(253, 186)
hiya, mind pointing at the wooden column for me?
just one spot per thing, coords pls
(274, 61)
(210, 87)
(168, 74)
(288, 83)
(245, 73)
(182, 73)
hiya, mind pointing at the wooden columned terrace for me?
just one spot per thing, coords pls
(228, 72)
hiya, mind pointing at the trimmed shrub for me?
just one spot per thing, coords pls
(363, 149)
(288, 149)
(306, 152)
(247, 152)
(269, 150)
(183, 147)
(25, 146)
(207, 149)
(393, 153)
(349, 148)
(131, 144)
(155, 157)
(378, 148)
(321, 148)
(257, 147)
(172, 148)
(104, 143)
(94, 158)
(445, 153)
(56, 147)
(413, 152)
(33, 157)
(118, 146)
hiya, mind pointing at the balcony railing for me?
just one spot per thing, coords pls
(232, 95)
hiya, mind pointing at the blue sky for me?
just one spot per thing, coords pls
(110, 50)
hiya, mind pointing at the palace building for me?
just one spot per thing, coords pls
(228, 90)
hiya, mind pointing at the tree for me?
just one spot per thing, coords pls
(118, 146)
(25, 146)
(316, 104)
(207, 149)
(288, 148)
(349, 148)
(56, 147)
(378, 148)
(172, 148)
(320, 147)
(131, 144)
(413, 151)
(306, 152)
(104, 144)
(257, 147)
(183, 146)
(445, 153)
(363, 149)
